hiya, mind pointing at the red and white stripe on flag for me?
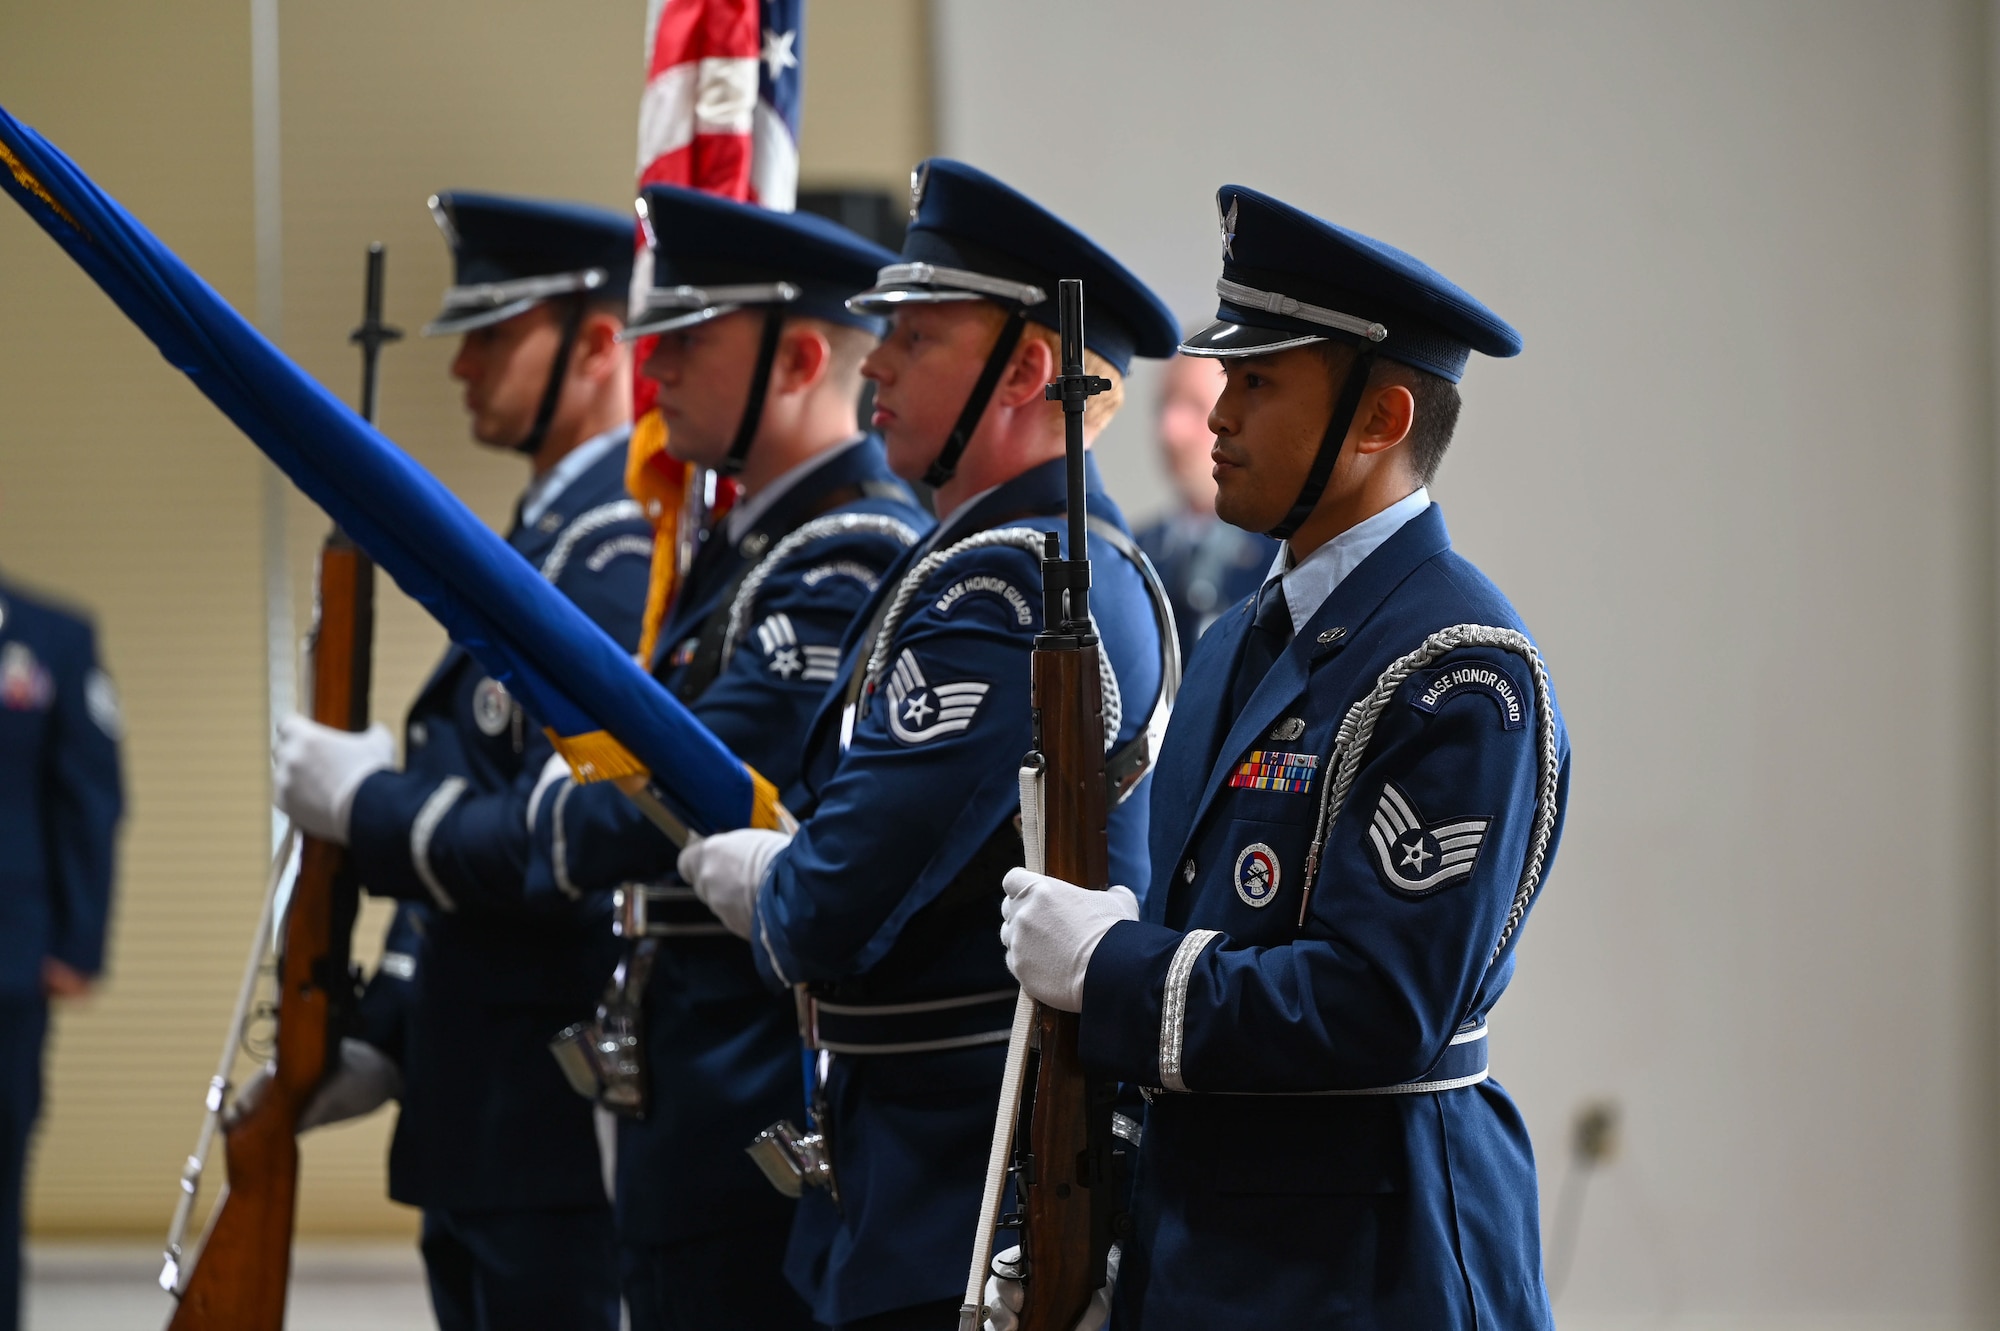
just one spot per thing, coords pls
(707, 123)
(700, 103)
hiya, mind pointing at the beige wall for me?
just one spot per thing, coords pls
(121, 487)
(867, 117)
(1740, 485)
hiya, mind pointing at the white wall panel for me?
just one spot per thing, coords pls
(1739, 485)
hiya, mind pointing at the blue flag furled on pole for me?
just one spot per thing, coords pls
(606, 715)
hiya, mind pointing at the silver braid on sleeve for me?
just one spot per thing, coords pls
(1173, 1005)
(833, 524)
(1357, 728)
(1024, 538)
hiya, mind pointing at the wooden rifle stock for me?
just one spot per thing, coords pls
(239, 1279)
(238, 1282)
(1064, 1172)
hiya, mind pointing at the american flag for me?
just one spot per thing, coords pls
(720, 114)
(721, 107)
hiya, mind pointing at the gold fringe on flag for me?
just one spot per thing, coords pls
(596, 756)
(659, 483)
(765, 811)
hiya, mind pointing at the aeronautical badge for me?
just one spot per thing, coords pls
(788, 658)
(1415, 857)
(25, 683)
(1288, 729)
(1257, 874)
(921, 712)
(492, 709)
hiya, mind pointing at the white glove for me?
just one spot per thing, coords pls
(316, 770)
(1051, 927)
(725, 871)
(363, 1080)
(1003, 1293)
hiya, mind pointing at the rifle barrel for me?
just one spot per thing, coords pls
(373, 334)
(1077, 389)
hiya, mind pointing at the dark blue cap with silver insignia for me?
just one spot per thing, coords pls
(973, 238)
(1289, 279)
(712, 256)
(509, 254)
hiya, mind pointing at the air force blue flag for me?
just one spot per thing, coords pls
(607, 716)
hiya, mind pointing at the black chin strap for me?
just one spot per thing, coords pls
(946, 464)
(531, 442)
(1329, 447)
(760, 387)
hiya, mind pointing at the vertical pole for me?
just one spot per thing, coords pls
(280, 635)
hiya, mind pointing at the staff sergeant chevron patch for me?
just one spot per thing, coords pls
(1415, 858)
(920, 712)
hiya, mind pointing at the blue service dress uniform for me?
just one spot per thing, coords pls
(1309, 998)
(1207, 566)
(493, 1145)
(701, 1230)
(382, 1017)
(60, 801)
(889, 896)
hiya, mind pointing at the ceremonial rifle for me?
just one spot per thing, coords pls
(239, 1277)
(1057, 1119)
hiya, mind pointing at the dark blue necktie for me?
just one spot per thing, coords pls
(1270, 631)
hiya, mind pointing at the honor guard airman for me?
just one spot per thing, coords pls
(883, 909)
(492, 1144)
(758, 365)
(60, 801)
(1358, 798)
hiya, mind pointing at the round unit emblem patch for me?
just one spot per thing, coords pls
(1257, 874)
(491, 707)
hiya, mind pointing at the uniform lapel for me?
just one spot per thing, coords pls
(1334, 626)
(1197, 728)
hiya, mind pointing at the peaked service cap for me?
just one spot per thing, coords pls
(972, 237)
(509, 254)
(1289, 278)
(713, 255)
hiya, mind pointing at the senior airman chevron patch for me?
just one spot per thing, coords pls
(1415, 858)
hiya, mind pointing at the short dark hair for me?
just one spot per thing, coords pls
(1437, 404)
